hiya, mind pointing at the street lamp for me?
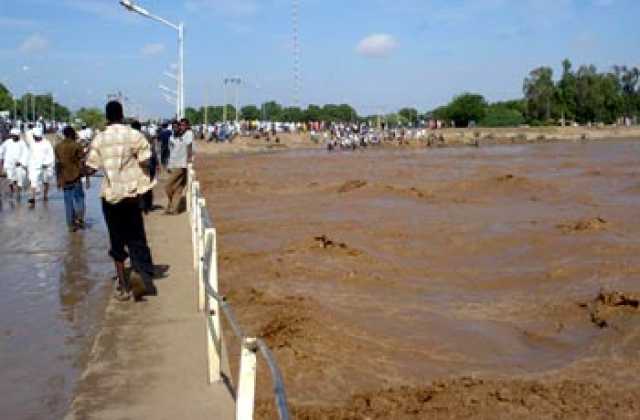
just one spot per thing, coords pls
(237, 81)
(175, 93)
(132, 7)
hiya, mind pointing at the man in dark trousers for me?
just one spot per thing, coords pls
(123, 155)
(69, 162)
(163, 137)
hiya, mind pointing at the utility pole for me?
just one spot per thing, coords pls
(224, 107)
(237, 81)
(206, 105)
(237, 102)
(53, 109)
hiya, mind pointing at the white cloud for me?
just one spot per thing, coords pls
(377, 45)
(152, 49)
(33, 44)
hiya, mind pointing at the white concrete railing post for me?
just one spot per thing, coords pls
(189, 185)
(214, 336)
(194, 223)
(246, 380)
(246, 388)
(202, 207)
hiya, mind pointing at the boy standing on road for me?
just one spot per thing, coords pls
(123, 155)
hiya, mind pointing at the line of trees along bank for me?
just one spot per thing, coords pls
(583, 96)
(24, 106)
(273, 111)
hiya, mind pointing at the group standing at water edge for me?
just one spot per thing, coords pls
(127, 160)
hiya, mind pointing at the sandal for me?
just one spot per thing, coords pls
(137, 285)
(121, 293)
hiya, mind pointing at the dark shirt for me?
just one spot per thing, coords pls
(69, 157)
(164, 136)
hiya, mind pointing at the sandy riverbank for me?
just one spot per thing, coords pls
(450, 137)
(448, 283)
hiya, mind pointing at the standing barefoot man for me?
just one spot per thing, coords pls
(123, 155)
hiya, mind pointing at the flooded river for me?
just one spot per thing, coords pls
(372, 271)
(52, 295)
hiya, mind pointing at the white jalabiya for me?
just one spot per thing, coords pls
(16, 158)
(41, 160)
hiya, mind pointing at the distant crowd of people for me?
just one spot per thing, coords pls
(125, 155)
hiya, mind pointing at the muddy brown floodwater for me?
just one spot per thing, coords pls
(499, 282)
(53, 289)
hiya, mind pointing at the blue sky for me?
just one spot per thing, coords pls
(376, 54)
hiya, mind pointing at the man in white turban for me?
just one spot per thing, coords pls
(41, 161)
(16, 157)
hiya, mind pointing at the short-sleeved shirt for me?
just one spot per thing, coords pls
(69, 155)
(178, 147)
(117, 152)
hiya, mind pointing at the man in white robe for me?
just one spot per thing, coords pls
(28, 135)
(16, 157)
(41, 165)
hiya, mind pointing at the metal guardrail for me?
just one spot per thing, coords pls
(213, 304)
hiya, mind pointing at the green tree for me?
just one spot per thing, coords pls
(292, 114)
(6, 99)
(195, 116)
(539, 91)
(440, 113)
(567, 92)
(466, 108)
(314, 113)
(410, 115)
(628, 80)
(499, 115)
(272, 110)
(250, 112)
(214, 113)
(93, 117)
(598, 96)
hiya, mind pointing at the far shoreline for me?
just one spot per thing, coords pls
(440, 138)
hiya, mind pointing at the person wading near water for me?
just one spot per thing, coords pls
(69, 163)
(123, 155)
(181, 147)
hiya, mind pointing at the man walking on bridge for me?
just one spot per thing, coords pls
(123, 155)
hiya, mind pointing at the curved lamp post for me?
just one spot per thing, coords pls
(132, 7)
